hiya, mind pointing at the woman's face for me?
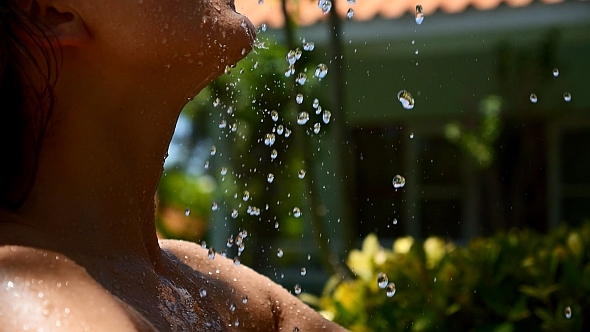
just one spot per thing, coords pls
(182, 36)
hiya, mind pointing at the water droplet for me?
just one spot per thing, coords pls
(214, 206)
(244, 234)
(382, 280)
(533, 98)
(394, 221)
(216, 102)
(280, 129)
(411, 135)
(232, 307)
(260, 2)
(287, 132)
(350, 13)
(206, 165)
(291, 57)
(237, 260)
(567, 97)
(321, 71)
(230, 241)
(301, 174)
(419, 14)
(274, 115)
(298, 53)
(555, 72)
(302, 118)
(326, 6)
(398, 181)
(406, 99)
(317, 127)
(203, 292)
(270, 177)
(390, 289)
(222, 124)
(416, 52)
(327, 116)
(187, 212)
(303, 271)
(295, 329)
(274, 154)
(234, 213)
(301, 79)
(263, 26)
(351, 2)
(244, 299)
(309, 46)
(213, 150)
(280, 253)
(316, 103)
(297, 289)
(223, 171)
(290, 71)
(296, 212)
(246, 196)
(568, 312)
(269, 139)
(299, 98)
(203, 244)
(211, 253)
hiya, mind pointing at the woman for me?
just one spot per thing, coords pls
(90, 93)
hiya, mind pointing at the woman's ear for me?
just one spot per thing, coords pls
(59, 21)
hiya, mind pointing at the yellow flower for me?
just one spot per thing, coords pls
(403, 245)
(434, 248)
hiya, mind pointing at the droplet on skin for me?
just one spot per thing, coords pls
(302, 118)
(382, 280)
(216, 102)
(406, 99)
(296, 212)
(291, 57)
(419, 14)
(297, 289)
(237, 261)
(390, 289)
(398, 181)
(568, 312)
(533, 98)
(280, 253)
(211, 253)
(245, 299)
(567, 97)
(203, 292)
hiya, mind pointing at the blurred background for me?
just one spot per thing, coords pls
(299, 144)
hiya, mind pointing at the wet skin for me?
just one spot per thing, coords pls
(81, 253)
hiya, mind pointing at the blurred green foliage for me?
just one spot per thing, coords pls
(514, 281)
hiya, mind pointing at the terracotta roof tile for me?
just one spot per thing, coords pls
(306, 12)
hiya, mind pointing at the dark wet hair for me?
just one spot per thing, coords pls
(28, 73)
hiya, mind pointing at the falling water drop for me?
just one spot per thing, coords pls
(296, 212)
(234, 213)
(187, 212)
(214, 206)
(327, 116)
(297, 289)
(301, 79)
(213, 150)
(302, 118)
(350, 13)
(308, 46)
(406, 99)
(274, 154)
(280, 253)
(246, 195)
(303, 271)
(269, 139)
(321, 71)
(555, 72)
(325, 6)
(301, 174)
(274, 115)
(390, 289)
(270, 177)
(398, 181)
(382, 280)
(567, 97)
(568, 312)
(533, 98)
(299, 98)
(237, 260)
(419, 14)
(211, 253)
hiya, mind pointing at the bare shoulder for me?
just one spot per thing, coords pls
(269, 303)
(43, 290)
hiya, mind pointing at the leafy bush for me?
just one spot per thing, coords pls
(514, 281)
